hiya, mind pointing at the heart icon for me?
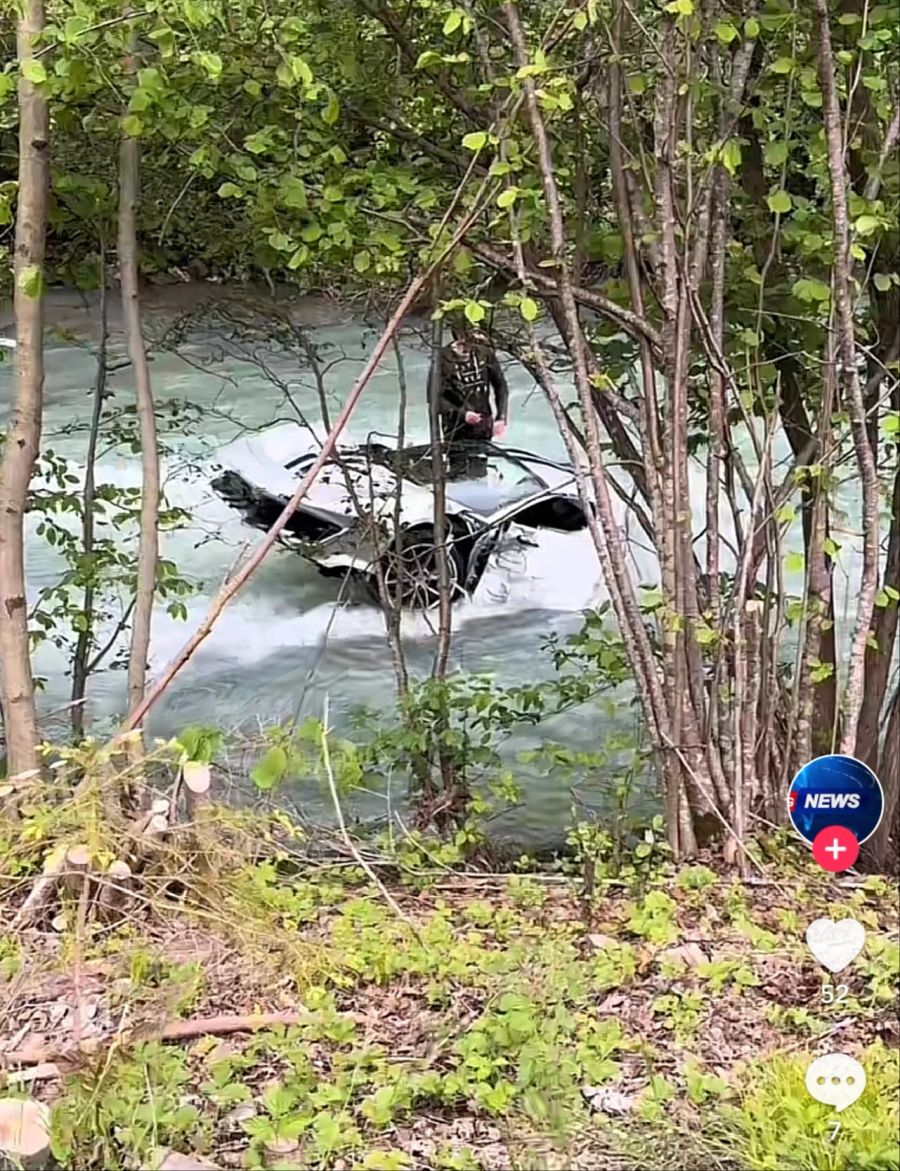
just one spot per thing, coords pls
(835, 944)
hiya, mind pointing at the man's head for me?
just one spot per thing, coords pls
(462, 337)
(465, 338)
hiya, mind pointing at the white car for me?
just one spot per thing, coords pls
(371, 507)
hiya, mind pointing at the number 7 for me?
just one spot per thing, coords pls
(835, 1131)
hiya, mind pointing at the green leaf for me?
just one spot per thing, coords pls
(786, 514)
(474, 312)
(270, 768)
(751, 28)
(831, 548)
(776, 153)
(362, 260)
(681, 7)
(230, 191)
(783, 65)
(292, 193)
(31, 281)
(637, 84)
(476, 140)
(508, 197)
(429, 57)
(731, 156)
(882, 281)
(794, 563)
(332, 110)
(311, 233)
(882, 599)
(453, 21)
(212, 63)
(866, 225)
(528, 308)
(726, 32)
(301, 71)
(808, 289)
(132, 126)
(33, 71)
(780, 202)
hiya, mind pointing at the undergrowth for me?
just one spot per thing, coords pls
(651, 1017)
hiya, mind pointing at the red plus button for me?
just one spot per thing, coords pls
(835, 848)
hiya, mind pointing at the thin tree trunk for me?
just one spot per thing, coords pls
(23, 437)
(148, 545)
(610, 551)
(80, 658)
(439, 486)
(856, 675)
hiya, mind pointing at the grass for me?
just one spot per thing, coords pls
(661, 1026)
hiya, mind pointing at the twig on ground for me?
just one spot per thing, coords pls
(214, 1026)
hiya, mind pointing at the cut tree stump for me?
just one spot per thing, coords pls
(24, 1134)
(78, 865)
(115, 889)
(197, 780)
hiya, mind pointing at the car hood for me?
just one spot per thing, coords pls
(261, 460)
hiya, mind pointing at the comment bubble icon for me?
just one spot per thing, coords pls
(836, 1080)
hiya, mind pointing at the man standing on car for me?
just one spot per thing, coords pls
(469, 371)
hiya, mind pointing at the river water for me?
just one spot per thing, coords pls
(284, 647)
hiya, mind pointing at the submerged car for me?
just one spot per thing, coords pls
(369, 513)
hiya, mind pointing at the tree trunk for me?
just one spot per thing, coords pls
(853, 397)
(148, 546)
(23, 437)
(86, 636)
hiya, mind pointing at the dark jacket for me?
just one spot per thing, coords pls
(466, 384)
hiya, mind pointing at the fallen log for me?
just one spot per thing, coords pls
(214, 1026)
(43, 890)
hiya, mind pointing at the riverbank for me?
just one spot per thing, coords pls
(254, 1015)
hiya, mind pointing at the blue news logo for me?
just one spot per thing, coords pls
(835, 790)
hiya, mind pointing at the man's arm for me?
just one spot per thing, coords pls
(449, 401)
(501, 390)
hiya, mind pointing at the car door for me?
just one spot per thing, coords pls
(498, 524)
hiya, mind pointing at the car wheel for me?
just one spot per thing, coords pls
(414, 569)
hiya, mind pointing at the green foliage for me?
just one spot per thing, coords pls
(85, 611)
(135, 1105)
(778, 1124)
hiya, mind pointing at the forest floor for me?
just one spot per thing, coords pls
(457, 1022)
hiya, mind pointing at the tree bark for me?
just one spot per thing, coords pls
(609, 547)
(80, 658)
(148, 544)
(856, 675)
(23, 437)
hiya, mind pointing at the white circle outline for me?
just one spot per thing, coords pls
(835, 756)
